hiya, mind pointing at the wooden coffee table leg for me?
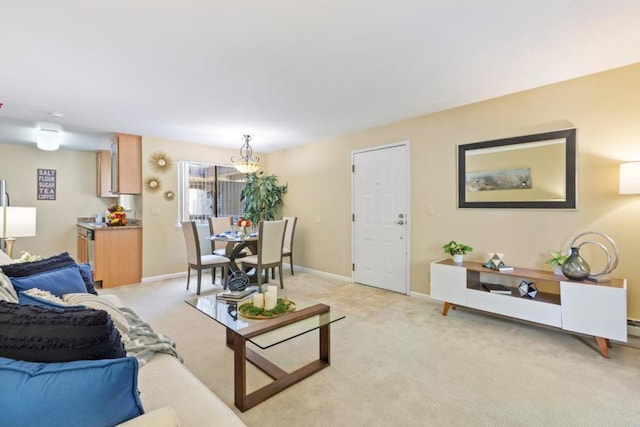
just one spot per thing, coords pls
(325, 344)
(239, 371)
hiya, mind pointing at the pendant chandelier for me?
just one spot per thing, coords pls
(246, 163)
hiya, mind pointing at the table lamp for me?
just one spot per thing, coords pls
(16, 222)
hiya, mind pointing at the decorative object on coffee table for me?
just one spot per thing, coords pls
(238, 281)
(250, 311)
(528, 288)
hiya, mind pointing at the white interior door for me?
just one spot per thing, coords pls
(380, 208)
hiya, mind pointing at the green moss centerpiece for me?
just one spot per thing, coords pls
(250, 311)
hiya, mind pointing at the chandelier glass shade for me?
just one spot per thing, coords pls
(246, 163)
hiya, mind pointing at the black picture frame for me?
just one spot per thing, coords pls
(568, 202)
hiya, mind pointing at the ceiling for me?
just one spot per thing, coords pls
(288, 72)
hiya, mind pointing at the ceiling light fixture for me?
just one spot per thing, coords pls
(48, 139)
(48, 136)
(247, 163)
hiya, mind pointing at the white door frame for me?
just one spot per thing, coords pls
(407, 219)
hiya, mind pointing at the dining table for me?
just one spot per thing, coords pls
(236, 245)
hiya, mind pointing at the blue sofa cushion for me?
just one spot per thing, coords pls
(39, 334)
(24, 269)
(72, 394)
(65, 280)
(21, 269)
(87, 277)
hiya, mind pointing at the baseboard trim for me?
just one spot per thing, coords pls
(633, 330)
(317, 272)
(163, 277)
(285, 268)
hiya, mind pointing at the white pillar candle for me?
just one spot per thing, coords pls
(274, 289)
(270, 299)
(258, 300)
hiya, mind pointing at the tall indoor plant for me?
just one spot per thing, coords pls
(262, 197)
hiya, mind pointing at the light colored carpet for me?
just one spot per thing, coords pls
(396, 360)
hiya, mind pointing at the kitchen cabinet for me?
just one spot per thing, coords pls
(83, 246)
(117, 255)
(103, 174)
(126, 164)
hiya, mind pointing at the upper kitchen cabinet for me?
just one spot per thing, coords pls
(126, 164)
(103, 174)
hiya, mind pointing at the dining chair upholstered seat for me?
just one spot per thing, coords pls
(270, 243)
(200, 262)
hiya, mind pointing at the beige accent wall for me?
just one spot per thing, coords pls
(163, 244)
(75, 197)
(604, 108)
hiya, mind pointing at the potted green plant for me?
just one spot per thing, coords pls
(457, 250)
(262, 197)
(557, 259)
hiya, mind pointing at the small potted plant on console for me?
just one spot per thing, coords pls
(457, 250)
(557, 259)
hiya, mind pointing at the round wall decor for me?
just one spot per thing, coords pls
(152, 183)
(160, 161)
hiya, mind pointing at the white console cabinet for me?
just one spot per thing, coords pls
(598, 309)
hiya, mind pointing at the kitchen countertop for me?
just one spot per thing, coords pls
(131, 223)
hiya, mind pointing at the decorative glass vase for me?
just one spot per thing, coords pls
(575, 267)
(244, 232)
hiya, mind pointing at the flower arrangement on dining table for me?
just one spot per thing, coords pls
(243, 223)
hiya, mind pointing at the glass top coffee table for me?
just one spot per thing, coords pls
(307, 317)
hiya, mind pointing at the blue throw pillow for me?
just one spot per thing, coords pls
(87, 277)
(65, 280)
(27, 299)
(72, 394)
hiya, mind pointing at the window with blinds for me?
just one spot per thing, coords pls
(206, 189)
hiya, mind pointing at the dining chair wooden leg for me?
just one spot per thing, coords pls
(213, 275)
(188, 275)
(280, 274)
(224, 276)
(291, 262)
(199, 281)
(273, 273)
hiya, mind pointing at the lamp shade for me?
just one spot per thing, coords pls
(17, 221)
(630, 178)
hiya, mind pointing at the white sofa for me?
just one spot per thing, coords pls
(172, 396)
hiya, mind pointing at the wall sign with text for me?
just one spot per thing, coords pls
(46, 184)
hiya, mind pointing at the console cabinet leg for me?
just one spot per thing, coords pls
(604, 345)
(445, 309)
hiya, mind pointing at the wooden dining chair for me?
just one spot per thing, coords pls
(270, 243)
(200, 262)
(287, 248)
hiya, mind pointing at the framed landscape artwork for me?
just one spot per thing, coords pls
(532, 172)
